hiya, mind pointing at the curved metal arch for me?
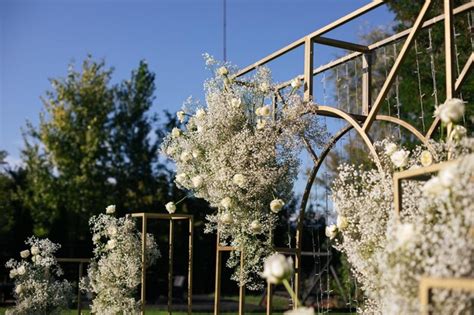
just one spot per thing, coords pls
(348, 118)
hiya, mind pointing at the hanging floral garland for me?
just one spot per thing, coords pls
(240, 154)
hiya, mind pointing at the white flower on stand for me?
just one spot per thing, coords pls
(21, 270)
(451, 111)
(263, 111)
(256, 227)
(296, 83)
(458, 132)
(236, 102)
(18, 289)
(426, 158)
(331, 231)
(227, 218)
(239, 180)
(390, 148)
(261, 124)
(433, 187)
(181, 178)
(185, 156)
(197, 181)
(264, 87)
(112, 230)
(13, 273)
(181, 116)
(400, 158)
(196, 153)
(109, 210)
(200, 114)
(176, 132)
(277, 268)
(405, 233)
(223, 71)
(301, 311)
(226, 203)
(342, 222)
(170, 207)
(111, 244)
(276, 205)
(25, 253)
(448, 176)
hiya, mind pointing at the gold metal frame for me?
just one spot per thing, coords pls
(80, 262)
(428, 283)
(172, 218)
(370, 112)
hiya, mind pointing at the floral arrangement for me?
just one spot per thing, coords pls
(240, 154)
(37, 289)
(114, 273)
(389, 257)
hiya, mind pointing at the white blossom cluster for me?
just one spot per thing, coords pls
(367, 224)
(37, 288)
(114, 273)
(240, 154)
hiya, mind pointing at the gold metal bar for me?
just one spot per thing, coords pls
(341, 44)
(79, 306)
(190, 266)
(405, 125)
(225, 248)
(464, 73)
(217, 293)
(241, 287)
(308, 69)
(449, 47)
(366, 83)
(269, 298)
(393, 72)
(170, 266)
(143, 288)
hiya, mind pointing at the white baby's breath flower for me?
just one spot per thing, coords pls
(342, 222)
(276, 205)
(197, 153)
(226, 203)
(109, 210)
(170, 207)
(405, 233)
(21, 270)
(197, 181)
(18, 289)
(264, 87)
(95, 238)
(301, 311)
(433, 187)
(185, 156)
(277, 268)
(331, 231)
(263, 111)
(34, 250)
(25, 253)
(176, 132)
(112, 230)
(239, 180)
(261, 124)
(111, 244)
(236, 102)
(390, 148)
(13, 273)
(181, 178)
(426, 158)
(227, 218)
(451, 111)
(296, 83)
(458, 132)
(256, 227)
(400, 158)
(200, 114)
(447, 176)
(181, 116)
(223, 71)
(170, 151)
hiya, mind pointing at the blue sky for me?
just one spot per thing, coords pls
(38, 38)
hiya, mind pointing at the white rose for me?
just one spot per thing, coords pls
(13, 273)
(223, 71)
(342, 222)
(35, 250)
(175, 133)
(236, 102)
(239, 180)
(170, 207)
(433, 187)
(18, 289)
(227, 218)
(263, 111)
(21, 270)
(390, 148)
(301, 311)
(451, 111)
(296, 83)
(196, 153)
(331, 231)
(447, 176)
(261, 124)
(458, 132)
(276, 205)
(405, 233)
(112, 230)
(426, 158)
(111, 244)
(197, 181)
(200, 113)
(110, 209)
(256, 227)
(277, 268)
(181, 116)
(226, 203)
(181, 178)
(25, 253)
(400, 158)
(185, 156)
(96, 238)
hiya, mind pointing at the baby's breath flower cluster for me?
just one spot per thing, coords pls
(240, 154)
(364, 203)
(37, 289)
(114, 273)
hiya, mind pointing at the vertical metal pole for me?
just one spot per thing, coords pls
(143, 291)
(79, 306)
(190, 265)
(269, 298)
(366, 83)
(170, 266)
(217, 293)
(449, 47)
(308, 69)
(241, 286)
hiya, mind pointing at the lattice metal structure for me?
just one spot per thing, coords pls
(171, 218)
(370, 112)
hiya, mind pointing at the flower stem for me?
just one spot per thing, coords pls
(291, 292)
(181, 200)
